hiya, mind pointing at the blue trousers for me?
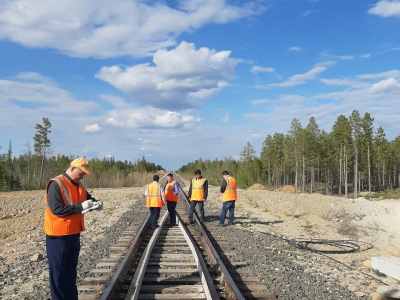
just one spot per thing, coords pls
(154, 215)
(225, 206)
(191, 209)
(172, 213)
(62, 255)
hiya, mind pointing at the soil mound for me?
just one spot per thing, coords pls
(288, 189)
(257, 186)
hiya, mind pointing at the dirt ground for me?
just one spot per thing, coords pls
(297, 217)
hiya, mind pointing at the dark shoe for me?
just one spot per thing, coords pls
(230, 224)
(221, 225)
(155, 227)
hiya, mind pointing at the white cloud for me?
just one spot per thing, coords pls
(387, 74)
(307, 13)
(92, 128)
(303, 78)
(226, 118)
(344, 82)
(389, 85)
(386, 8)
(126, 115)
(178, 79)
(103, 28)
(295, 49)
(33, 91)
(257, 69)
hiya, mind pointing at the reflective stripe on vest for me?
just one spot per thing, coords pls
(197, 190)
(153, 192)
(65, 225)
(170, 192)
(230, 193)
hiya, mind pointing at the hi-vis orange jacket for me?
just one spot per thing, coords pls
(230, 190)
(66, 225)
(197, 190)
(170, 192)
(153, 192)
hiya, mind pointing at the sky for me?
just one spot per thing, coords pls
(179, 80)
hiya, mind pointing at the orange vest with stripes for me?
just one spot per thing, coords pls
(197, 189)
(66, 225)
(153, 192)
(170, 192)
(230, 190)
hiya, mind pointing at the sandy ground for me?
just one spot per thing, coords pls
(295, 217)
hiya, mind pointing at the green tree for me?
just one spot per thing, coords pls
(312, 134)
(42, 143)
(355, 122)
(341, 135)
(368, 129)
(296, 136)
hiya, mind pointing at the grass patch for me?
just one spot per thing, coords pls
(265, 209)
(287, 214)
(253, 203)
(307, 225)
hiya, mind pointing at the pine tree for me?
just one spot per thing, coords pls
(42, 143)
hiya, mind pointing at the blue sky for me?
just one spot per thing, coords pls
(178, 80)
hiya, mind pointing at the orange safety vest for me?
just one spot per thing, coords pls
(153, 192)
(230, 191)
(66, 225)
(170, 192)
(197, 189)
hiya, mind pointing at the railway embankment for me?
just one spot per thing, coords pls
(269, 227)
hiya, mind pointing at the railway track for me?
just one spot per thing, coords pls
(178, 262)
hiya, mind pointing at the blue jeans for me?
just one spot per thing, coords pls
(225, 206)
(191, 210)
(62, 255)
(154, 215)
(172, 213)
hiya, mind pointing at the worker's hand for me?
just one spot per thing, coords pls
(87, 204)
(99, 203)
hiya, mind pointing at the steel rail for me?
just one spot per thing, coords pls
(234, 292)
(109, 292)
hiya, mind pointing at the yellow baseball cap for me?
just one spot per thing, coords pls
(82, 164)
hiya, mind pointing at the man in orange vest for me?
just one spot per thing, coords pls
(66, 198)
(198, 192)
(171, 196)
(155, 199)
(229, 197)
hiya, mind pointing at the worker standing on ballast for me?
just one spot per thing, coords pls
(229, 197)
(171, 196)
(155, 199)
(198, 192)
(66, 198)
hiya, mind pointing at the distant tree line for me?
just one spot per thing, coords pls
(32, 170)
(352, 157)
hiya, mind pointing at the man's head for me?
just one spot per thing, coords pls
(225, 173)
(156, 178)
(170, 177)
(78, 169)
(197, 174)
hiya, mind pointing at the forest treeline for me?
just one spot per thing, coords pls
(353, 157)
(33, 169)
(23, 172)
